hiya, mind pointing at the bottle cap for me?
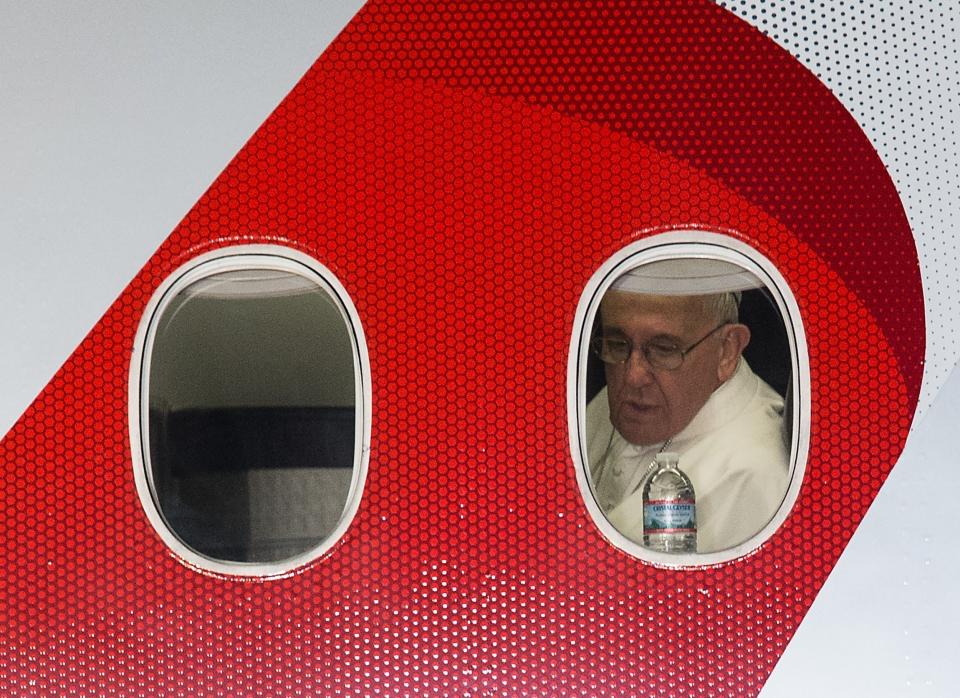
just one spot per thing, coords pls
(668, 458)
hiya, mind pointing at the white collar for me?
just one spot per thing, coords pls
(723, 406)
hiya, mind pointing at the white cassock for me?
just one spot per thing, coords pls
(734, 451)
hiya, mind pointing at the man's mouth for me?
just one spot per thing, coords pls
(638, 408)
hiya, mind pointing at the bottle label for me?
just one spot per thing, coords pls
(669, 516)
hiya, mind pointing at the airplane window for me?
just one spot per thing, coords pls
(691, 380)
(251, 413)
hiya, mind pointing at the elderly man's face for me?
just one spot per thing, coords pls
(649, 405)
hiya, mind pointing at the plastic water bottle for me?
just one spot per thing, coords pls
(669, 508)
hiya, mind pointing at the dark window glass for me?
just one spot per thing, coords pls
(252, 392)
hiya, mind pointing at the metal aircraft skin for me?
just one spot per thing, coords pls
(463, 175)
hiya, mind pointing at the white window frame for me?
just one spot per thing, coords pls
(671, 245)
(237, 258)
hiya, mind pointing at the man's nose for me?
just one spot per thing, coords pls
(637, 369)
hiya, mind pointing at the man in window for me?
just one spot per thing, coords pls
(671, 343)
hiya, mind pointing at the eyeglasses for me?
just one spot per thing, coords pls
(659, 354)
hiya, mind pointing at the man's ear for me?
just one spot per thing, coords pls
(734, 339)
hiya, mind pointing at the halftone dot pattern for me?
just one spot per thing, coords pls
(894, 66)
(464, 225)
(691, 80)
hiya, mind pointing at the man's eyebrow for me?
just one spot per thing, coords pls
(613, 331)
(666, 339)
(610, 331)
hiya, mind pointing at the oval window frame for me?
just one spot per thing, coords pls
(671, 245)
(238, 258)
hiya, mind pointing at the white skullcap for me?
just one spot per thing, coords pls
(687, 276)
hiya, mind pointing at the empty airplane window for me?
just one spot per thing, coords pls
(251, 407)
(690, 380)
